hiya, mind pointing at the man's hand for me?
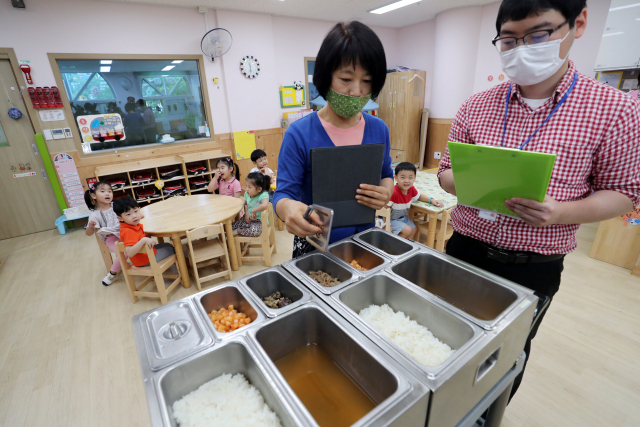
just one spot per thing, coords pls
(534, 213)
(373, 196)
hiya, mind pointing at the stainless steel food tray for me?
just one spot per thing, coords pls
(387, 244)
(481, 358)
(347, 250)
(232, 293)
(401, 399)
(171, 333)
(482, 297)
(300, 267)
(231, 357)
(271, 280)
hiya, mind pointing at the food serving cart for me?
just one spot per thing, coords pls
(483, 317)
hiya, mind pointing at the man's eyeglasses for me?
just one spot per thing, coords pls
(541, 36)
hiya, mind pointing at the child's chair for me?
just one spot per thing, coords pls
(386, 214)
(106, 253)
(444, 230)
(266, 240)
(203, 252)
(155, 271)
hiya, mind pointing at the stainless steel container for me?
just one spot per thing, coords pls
(272, 280)
(346, 251)
(171, 333)
(232, 357)
(223, 296)
(481, 297)
(386, 243)
(503, 309)
(300, 268)
(401, 400)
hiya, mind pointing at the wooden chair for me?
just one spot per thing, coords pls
(266, 240)
(106, 253)
(386, 214)
(202, 252)
(155, 271)
(444, 230)
(274, 187)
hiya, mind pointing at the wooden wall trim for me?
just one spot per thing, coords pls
(441, 121)
(437, 138)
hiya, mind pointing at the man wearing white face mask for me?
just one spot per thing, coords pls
(548, 106)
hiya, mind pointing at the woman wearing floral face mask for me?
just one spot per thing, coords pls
(350, 69)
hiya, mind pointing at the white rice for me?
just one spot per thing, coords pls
(225, 401)
(410, 336)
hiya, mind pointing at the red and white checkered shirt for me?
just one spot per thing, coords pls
(595, 135)
(634, 93)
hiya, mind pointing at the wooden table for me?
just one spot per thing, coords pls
(174, 217)
(427, 183)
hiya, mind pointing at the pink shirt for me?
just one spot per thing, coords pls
(229, 188)
(344, 137)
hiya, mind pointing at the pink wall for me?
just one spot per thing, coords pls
(416, 45)
(71, 26)
(454, 49)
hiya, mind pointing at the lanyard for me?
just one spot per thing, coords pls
(506, 111)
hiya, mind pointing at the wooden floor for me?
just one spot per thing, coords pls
(68, 358)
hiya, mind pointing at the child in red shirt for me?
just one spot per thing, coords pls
(404, 193)
(133, 236)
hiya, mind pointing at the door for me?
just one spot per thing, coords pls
(27, 203)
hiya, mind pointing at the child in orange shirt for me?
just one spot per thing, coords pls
(133, 236)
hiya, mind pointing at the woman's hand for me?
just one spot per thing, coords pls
(293, 214)
(373, 196)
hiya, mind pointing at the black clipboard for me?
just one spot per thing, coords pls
(336, 174)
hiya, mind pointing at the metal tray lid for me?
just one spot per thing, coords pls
(171, 333)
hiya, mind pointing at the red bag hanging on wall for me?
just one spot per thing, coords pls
(34, 97)
(57, 100)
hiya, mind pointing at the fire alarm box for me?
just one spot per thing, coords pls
(34, 97)
(27, 72)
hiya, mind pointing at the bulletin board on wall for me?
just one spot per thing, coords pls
(290, 97)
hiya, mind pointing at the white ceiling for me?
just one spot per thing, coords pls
(330, 10)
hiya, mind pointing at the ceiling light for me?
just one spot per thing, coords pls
(106, 62)
(624, 7)
(393, 6)
(179, 61)
(105, 69)
(613, 34)
(168, 67)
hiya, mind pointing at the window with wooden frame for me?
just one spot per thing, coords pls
(133, 101)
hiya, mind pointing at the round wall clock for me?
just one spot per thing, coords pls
(250, 66)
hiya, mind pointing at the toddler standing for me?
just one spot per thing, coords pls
(104, 222)
(256, 200)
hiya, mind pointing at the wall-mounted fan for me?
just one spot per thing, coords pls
(216, 43)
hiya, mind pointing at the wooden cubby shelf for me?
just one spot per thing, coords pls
(204, 158)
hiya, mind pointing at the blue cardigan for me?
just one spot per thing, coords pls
(294, 166)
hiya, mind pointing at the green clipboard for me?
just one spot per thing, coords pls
(486, 176)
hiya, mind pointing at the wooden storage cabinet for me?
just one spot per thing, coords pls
(401, 102)
(186, 170)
